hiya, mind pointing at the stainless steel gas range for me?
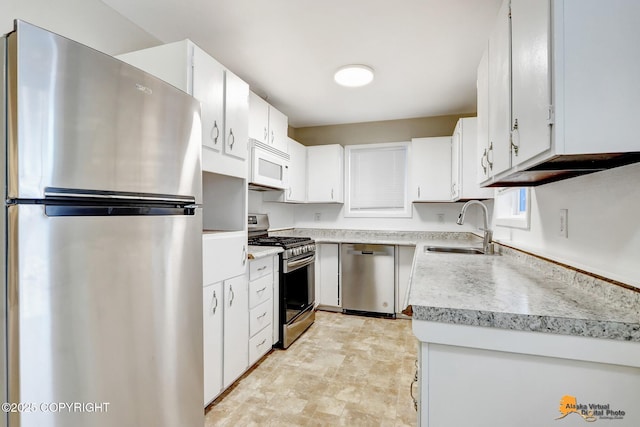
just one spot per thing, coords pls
(297, 278)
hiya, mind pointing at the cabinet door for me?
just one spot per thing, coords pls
(456, 162)
(212, 307)
(208, 88)
(431, 169)
(530, 79)
(483, 118)
(325, 173)
(278, 124)
(499, 152)
(405, 262)
(258, 118)
(328, 268)
(224, 255)
(236, 116)
(236, 329)
(297, 175)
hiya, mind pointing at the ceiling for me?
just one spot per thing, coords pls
(424, 52)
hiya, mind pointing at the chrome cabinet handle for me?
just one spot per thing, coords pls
(244, 254)
(262, 343)
(332, 194)
(232, 296)
(418, 191)
(262, 315)
(261, 290)
(515, 133)
(289, 191)
(265, 134)
(489, 162)
(484, 156)
(414, 381)
(272, 137)
(232, 139)
(214, 303)
(264, 267)
(215, 128)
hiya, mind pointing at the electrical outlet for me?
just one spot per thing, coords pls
(440, 217)
(316, 217)
(564, 226)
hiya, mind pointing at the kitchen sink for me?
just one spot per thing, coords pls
(454, 250)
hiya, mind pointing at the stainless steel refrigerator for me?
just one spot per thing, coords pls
(102, 240)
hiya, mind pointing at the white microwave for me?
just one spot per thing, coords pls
(267, 168)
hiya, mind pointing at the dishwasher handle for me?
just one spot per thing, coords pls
(370, 250)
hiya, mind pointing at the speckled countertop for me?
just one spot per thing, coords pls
(257, 252)
(520, 292)
(321, 235)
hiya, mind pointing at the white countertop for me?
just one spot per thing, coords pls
(257, 252)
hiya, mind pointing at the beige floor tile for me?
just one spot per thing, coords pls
(345, 370)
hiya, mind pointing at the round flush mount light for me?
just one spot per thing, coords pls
(354, 75)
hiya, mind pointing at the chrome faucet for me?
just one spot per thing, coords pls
(487, 247)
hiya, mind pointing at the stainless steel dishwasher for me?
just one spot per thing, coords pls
(368, 279)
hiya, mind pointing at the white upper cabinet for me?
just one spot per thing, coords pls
(224, 98)
(325, 173)
(530, 79)
(482, 84)
(498, 152)
(295, 190)
(430, 169)
(258, 118)
(562, 89)
(236, 117)
(297, 174)
(464, 162)
(267, 124)
(208, 88)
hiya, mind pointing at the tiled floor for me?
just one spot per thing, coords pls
(345, 370)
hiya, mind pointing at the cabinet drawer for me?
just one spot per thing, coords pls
(223, 256)
(260, 267)
(259, 345)
(260, 290)
(259, 317)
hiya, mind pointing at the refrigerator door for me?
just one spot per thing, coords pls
(104, 314)
(81, 119)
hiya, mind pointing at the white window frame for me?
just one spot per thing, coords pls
(406, 211)
(508, 209)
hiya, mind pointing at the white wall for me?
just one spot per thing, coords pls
(426, 216)
(604, 230)
(90, 22)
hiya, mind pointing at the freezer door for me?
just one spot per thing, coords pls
(105, 314)
(81, 119)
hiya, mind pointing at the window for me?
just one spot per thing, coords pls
(512, 207)
(376, 177)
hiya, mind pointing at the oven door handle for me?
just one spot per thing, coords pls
(294, 265)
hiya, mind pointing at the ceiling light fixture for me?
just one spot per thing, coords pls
(354, 75)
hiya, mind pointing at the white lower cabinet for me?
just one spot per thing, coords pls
(236, 329)
(404, 259)
(328, 276)
(212, 341)
(261, 306)
(505, 378)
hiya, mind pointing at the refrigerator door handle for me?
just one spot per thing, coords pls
(63, 194)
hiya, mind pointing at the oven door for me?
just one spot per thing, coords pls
(298, 280)
(297, 290)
